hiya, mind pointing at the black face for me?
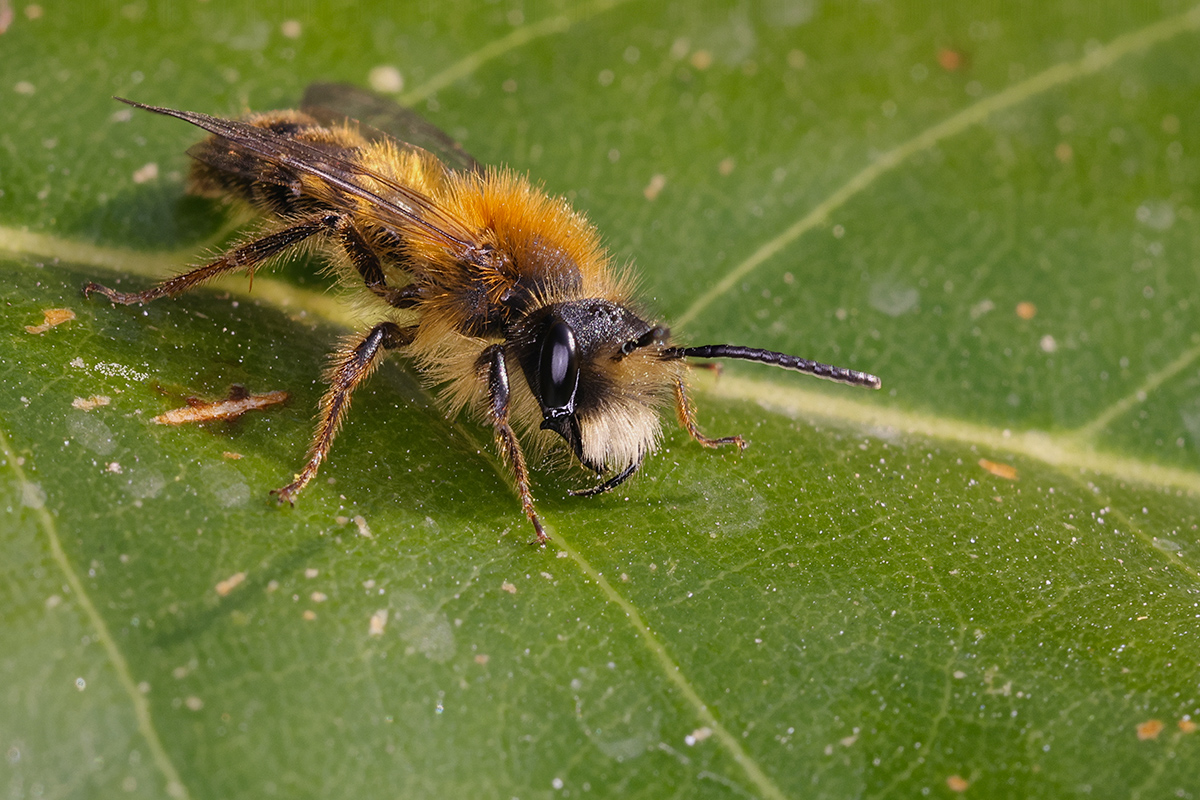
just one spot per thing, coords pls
(559, 348)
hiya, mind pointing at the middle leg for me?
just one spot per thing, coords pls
(351, 366)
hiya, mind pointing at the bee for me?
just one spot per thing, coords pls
(501, 295)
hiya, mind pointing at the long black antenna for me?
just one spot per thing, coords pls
(826, 371)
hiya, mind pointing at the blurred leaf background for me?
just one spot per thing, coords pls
(981, 580)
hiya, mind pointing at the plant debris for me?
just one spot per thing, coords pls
(50, 318)
(237, 403)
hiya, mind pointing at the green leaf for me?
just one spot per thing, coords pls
(995, 211)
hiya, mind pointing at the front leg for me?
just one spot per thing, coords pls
(491, 364)
(351, 366)
(687, 418)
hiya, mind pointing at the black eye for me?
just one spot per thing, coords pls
(558, 369)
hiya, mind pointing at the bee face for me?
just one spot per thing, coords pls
(586, 362)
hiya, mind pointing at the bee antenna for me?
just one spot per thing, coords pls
(816, 368)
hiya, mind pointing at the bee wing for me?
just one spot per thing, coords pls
(404, 208)
(380, 118)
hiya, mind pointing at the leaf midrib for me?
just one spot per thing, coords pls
(1068, 448)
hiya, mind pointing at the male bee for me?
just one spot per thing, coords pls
(501, 295)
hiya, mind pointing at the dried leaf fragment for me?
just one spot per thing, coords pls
(957, 783)
(229, 584)
(50, 318)
(239, 402)
(90, 403)
(363, 529)
(1150, 729)
(999, 469)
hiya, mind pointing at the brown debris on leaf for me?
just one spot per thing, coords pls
(1150, 729)
(50, 318)
(91, 403)
(999, 469)
(239, 402)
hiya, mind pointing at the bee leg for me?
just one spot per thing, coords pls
(492, 361)
(351, 366)
(609, 484)
(687, 418)
(366, 260)
(246, 256)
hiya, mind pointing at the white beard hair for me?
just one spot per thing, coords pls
(620, 435)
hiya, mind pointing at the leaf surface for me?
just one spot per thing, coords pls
(983, 578)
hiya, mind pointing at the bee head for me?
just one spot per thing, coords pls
(599, 373)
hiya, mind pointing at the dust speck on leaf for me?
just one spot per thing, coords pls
(1156, 214)
(508, 587)
(981, 308)
(33, 495)
(654, 188)
(1026, 310)
(957, 783)
(386, 78)
(363, 529)
(378, 622)
(145, 173)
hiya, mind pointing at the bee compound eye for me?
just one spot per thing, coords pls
(558, 369)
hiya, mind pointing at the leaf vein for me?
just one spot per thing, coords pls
(141, 708)
(1050, 78)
